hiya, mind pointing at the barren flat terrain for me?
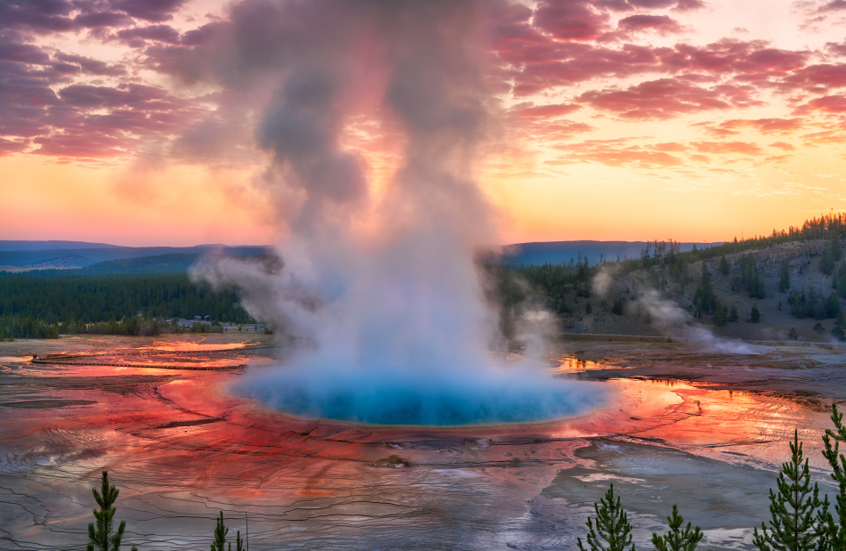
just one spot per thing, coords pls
(706, 430)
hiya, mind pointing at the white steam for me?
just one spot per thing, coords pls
(380, 292)
(667, 316)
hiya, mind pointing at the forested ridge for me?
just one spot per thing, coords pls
(665, 268)
(44, 304)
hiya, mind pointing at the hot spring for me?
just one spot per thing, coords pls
(499, 395)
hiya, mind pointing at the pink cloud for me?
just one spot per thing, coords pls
(825, 104)
(765, 126)
(662, 24)
(833, 5)
(572, 20)
(617, 153)
(819, 76)
(728, 148)
(783, 146)
(546, 111)
(670, 147)
(666, 98)
(137, 37)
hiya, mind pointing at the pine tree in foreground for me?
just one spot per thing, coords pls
(612, 531)
(220, 532)
(103, 537)
(835, 526)
(796, 509)
(677, 539)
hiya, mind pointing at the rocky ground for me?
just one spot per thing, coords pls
(682, 424)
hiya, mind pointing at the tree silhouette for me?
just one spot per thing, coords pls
(220, 532)
(677, 539)
(103, 537)
(835, 525)
(797, 523)
(784, 276)
(612, 526)
(724, 265)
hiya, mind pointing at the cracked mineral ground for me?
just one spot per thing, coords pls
(707, 431)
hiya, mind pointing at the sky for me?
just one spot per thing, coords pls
(138, 122)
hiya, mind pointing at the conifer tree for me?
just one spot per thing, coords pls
(724, 265)
(704, 297)
(721, 314)
(827, 260)
(102, 536)
(677, 539)
(836, 247)
(784, 276)
(755, 314)
(798, 519)
(220, 531)
(835, 525)
(832, 306)
(612, 531)
(617, 308)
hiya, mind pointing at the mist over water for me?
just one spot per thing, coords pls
(380, 291)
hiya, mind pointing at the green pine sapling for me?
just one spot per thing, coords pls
(835, 529)
(677, 539)
(220, 532)
(103, 537)
(795, 510)
(612, 526)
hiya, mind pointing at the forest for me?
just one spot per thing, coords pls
(560, 286)
(44, 304)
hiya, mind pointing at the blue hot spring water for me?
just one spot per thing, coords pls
(492, 396)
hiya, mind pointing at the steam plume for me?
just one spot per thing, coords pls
(380, 290)
(668, 316)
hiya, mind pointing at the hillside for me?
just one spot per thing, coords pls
(654, 304)
(63, 258)
(51, 245)
(557, 252)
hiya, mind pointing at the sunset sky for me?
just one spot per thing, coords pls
(132, 122)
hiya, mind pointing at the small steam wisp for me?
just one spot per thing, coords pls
(380, 294)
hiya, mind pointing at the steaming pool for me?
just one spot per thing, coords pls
(678, 424)
(404, 400)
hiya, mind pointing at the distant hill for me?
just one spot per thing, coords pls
(54, 258)
(159, 264)
(69, 262)
(557, 252)
(50, 245)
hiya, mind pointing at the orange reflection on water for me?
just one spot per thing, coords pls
(706, 421)
(188, 422)
(571, 364)
(198, 346)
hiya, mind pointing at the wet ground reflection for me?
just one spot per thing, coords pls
(683, 426)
